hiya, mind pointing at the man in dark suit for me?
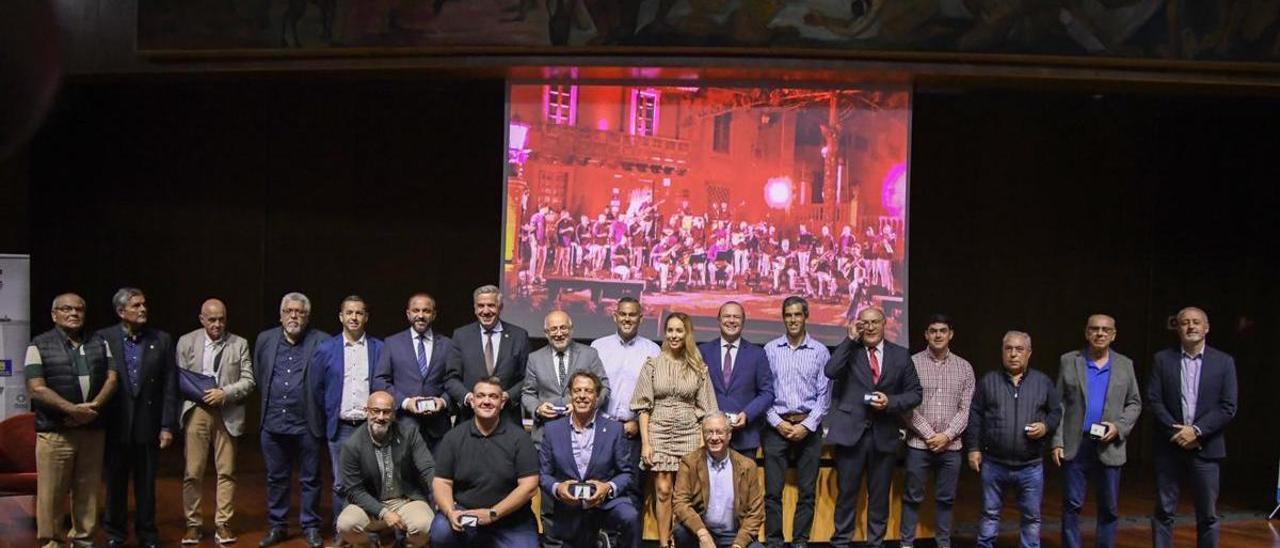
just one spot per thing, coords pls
(342, 367)
(588, 448)
(1192, 396)
(411, 367)
(1097, 386)
(141, 417)
(379, 448)
(741, 377)
(875, 383)
(292, 420)
(488, 347)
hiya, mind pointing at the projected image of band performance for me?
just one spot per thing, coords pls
(686, 197)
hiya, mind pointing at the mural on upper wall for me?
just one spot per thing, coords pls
(1231, 30)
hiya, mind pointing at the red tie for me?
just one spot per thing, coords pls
(875, 365)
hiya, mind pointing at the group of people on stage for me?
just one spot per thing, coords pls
(426, 437)
(687, 252)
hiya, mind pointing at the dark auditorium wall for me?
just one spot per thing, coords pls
(1029, 210)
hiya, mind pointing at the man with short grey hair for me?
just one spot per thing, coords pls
(488, 347)
(292, 420)
(141, 420)
(717, 499)
(1013, 417)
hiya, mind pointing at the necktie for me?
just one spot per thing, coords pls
(728, 363)
(488, 350)
(422, 356)
(561, 371)
(875, 365)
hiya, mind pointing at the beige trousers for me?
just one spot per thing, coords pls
(68, 461)
(354, 522)
(204, 428)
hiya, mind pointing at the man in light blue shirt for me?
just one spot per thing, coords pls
(623, 354)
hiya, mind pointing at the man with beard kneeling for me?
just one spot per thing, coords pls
(387, 471)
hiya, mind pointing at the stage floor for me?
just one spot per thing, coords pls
(1242, 527)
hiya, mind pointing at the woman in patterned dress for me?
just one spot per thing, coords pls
(672, 395)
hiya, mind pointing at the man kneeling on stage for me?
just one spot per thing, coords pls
(387, 471)
(586, 463)
(717, 493)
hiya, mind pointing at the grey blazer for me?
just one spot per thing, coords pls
(235, 375)
(1123, 405)
(542, 384)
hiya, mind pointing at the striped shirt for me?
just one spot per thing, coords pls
(799, 384)
(948, 390)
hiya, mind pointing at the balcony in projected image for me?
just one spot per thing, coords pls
(560, 143)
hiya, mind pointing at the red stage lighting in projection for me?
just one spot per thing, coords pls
(893, 193)
(777, 192)
(517, 135)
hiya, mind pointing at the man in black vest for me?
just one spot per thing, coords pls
(142, 417)
(69, 379)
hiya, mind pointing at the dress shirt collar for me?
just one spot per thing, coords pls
(737, 345)
(784, 341)
(348, 342)
(627, 343)
(497, 328)
(426, 336)
(879, 349)
(946, 357)
(591, 424)
(717, 464)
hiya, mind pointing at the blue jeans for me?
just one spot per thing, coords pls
(510, 532)
(1077, 474)
(1028, 481)
(283, 453)
(335, 457)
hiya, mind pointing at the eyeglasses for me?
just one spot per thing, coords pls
(1101, 329)
(68, 308)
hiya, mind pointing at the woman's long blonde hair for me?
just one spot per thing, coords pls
(690, 355)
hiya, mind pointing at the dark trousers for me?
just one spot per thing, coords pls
(778, 454)
(138, 460)
(335, 459)
(550, 537)
(946, 471)
(510, 532)
(639, 478)
(283, 453)
(688, 539)
(1171, 470)
(1077, 474)
(618, 516)
(852, 462)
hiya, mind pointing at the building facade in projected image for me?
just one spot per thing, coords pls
(689, 197)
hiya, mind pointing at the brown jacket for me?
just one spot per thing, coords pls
(692, 487)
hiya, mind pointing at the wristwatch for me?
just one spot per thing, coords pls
(493, 515)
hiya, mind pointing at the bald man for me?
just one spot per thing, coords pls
(546, 382)
(216, 420)
(379, 449)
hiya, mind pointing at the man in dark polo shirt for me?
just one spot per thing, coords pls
(486, 474)
(69, 378)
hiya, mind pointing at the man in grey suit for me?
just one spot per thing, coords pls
(1100, 405)
(546, 381)
(217, 420)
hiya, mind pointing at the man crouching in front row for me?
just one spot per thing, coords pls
(387, 471)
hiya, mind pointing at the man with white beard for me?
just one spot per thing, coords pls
(387, 472)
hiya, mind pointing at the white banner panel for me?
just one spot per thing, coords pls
(15, 332)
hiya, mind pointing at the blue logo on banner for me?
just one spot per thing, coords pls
(6, 368)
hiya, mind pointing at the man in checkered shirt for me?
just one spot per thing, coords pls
(934, 433)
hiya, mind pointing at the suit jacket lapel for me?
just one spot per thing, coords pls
(862, 366)
(715, 366)
(565, 454)
(1080, 366)
(1115, 389)
(199, 343)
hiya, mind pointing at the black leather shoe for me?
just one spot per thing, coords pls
(151, 544)
(313, 538)
(274, 536)
(115, 544)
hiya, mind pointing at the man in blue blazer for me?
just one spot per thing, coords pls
(488, 347)
(141, 418)
(741, 377)
(411, 367)
(292, 420)
(1192, 397)
(875, 384)
(587, 448)
(343, 370)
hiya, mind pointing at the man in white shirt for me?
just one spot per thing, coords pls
(623, 354)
